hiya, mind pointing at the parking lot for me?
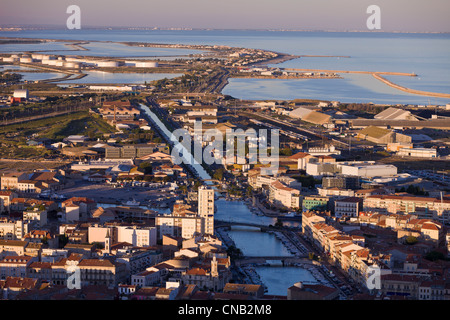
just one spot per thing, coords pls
(108, 193)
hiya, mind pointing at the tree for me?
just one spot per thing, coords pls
(434, 256)
(279, 223)
(411, 240)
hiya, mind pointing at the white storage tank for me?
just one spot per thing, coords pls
(10, 59)
(37, 56)
(107, 64)
(146, 64)
(72, 65)
(26, 59)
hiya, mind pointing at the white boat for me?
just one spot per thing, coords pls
(131, 203)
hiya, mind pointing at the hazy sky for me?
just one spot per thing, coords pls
(396, 15)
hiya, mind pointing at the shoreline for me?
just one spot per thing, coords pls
(408, 90)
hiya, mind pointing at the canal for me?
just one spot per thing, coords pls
(251, 241)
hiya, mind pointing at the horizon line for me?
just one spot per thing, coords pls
(59, 27)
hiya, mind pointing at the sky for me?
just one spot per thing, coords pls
(337, 15)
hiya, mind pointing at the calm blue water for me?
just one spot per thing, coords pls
(281, 278)
(427, 55)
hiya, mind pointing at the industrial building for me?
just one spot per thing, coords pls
(128, 152)
(310, 115)
(364, 169)
(395, 114)
(382, 136)
(418, 152)
(341, 182)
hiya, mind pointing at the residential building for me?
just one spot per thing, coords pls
(283, 196)
(5, 200)
(12, 229)
(315, 203)
(206, 209)
(300, 291)
(15, 266)
(254, 291)
(405, 286)
(341, 182)
(10, 180)
(423, 207)
(137, 236)
(77, 208)
(12, 248)
(348, 207)
(434, 290)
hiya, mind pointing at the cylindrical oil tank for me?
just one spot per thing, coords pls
(26, 59)
(146, 64)
(107, 64)
(37, 56)
(72, 65)
(10, 59)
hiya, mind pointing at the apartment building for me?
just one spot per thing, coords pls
(12, 229)
(15, 266)
(103, 272)
(178, 225)
(5, 200)
(434, 290)
(77, 208)
(137, 236)
(315, 203)
(10, 180)
(396, 285)
(423, 207)
(348, 207)
(283, 196)
(12, 248)
(206, 209)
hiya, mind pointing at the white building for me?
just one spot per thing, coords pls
(348, 207)
(12, 229)
(206, 209)
(36, 215)
(21, 93)
(284, 196)
(140, 237)
(418, 152)
(368, 169)
(15, 266)
(178, 225)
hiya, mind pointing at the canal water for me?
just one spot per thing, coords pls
(254, 243)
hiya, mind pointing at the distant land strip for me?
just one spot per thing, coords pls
(377, 75)
(350, 71)
(419, 92)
